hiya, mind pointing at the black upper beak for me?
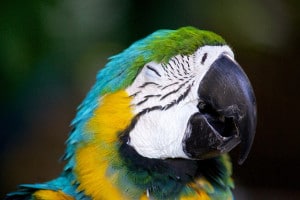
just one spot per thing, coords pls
(227, 112)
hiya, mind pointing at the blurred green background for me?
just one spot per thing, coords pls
(50, 52)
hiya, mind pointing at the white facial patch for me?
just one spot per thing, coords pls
(165, 96)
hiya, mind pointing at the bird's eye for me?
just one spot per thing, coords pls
(201, 105)
(206, 108)
(203, 58)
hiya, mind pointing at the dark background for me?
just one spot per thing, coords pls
(50, 52)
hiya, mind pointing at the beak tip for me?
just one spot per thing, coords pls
(242, 160)
(245, 148)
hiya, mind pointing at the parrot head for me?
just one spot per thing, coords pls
(189, 96)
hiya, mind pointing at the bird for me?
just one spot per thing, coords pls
(158, 124)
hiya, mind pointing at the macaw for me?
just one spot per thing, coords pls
(158, 124)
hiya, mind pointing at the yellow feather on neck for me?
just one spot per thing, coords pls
(112, 116)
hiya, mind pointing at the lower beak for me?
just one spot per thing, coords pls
(227, 113)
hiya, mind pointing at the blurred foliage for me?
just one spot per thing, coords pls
(50, 52)
(51, 34)
(58, 33)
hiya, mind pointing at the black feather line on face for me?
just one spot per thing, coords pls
(184, 69)
(146, 99)
(148, 83)
(176, 90)
(153, 70)
(169, 85)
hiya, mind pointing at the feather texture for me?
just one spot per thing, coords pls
(99, 163)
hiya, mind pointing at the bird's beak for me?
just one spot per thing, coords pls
(227, 113)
